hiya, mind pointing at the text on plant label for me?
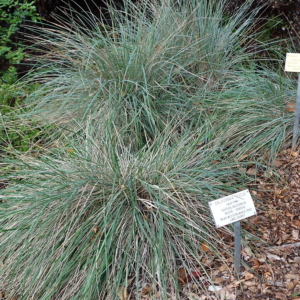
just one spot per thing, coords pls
(232, 208)
(292, 62)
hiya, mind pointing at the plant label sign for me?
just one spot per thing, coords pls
(232, 208)
(292, 62)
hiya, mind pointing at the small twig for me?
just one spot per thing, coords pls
(276, 283)
(286, 245)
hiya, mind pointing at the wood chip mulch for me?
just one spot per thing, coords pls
(273, 263)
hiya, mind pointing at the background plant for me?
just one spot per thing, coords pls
(12, 52)
(18, 133)
(12, 15)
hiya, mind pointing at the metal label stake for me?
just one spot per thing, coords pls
(230, 210)
(237, 247)
(297, 117)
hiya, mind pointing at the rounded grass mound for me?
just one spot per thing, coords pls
(84, 225)
(156, 63)
(142, 69)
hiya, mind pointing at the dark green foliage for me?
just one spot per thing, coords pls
(12, 14)
(14, 132)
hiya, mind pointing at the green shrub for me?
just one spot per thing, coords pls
(12, 14)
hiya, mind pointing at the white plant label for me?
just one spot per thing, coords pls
(232, 208)
(292, 62)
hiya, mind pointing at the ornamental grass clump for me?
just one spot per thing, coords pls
(249, 114)
(99, 217)
(142, 69)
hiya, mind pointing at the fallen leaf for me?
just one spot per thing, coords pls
(278, 163)
(293, 276)
(294, 153)
(194, 274)
(185, 277)
(273, 257)
(290, 107)
(250, 283)
(223, 268)
(146, 289)
(295, 234)
(230, 296)
(256, 263)
(248, 275)
(194, 296)
(218, 280)
(204, 247)
(290, 285)
(70, 150)
(290, 215)
(297, 223)
(293, 183)
(182, 274)
(214, 288)
(251, 171)
(122, 293)
(235, 284)
(281, 296)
